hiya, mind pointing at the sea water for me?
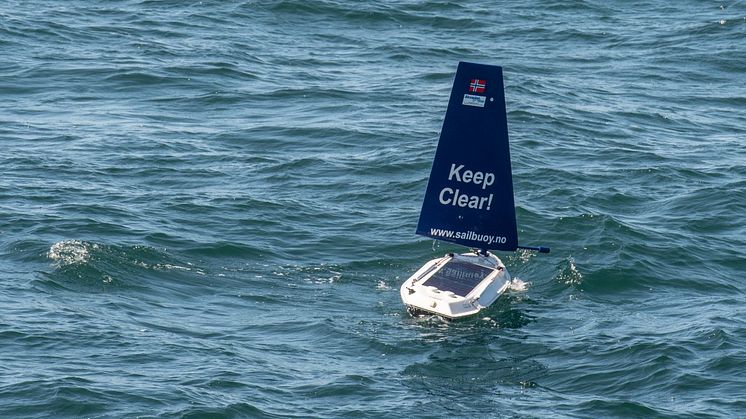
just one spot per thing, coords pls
(207, 208)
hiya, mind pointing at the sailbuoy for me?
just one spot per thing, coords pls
(468, 201)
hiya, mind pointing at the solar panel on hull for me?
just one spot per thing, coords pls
(459, 277)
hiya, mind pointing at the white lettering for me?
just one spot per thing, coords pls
(455, 172)
(489, 179)
(469, 176)
(443, 200)
(478, 177)
(448, 196)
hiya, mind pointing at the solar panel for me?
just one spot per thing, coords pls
(459, 277)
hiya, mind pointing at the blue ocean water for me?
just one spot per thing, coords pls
(207, 208)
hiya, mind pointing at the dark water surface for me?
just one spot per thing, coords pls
(207, 208)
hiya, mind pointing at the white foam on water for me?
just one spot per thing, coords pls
(572, 275)
(519, 285)
(71, 252)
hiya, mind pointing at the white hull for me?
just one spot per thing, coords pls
(472, 284)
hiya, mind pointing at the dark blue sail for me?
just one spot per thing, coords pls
(469, 198)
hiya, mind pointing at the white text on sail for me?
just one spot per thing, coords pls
(450, 196)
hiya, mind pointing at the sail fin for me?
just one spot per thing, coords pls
(469, 196)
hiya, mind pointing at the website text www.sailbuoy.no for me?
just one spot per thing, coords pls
(467, 235)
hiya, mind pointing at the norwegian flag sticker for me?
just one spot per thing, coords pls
(477, 86)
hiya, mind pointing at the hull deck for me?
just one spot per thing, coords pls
(456, 286)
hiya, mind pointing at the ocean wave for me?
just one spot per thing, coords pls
(438, 14)
(85, 265)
